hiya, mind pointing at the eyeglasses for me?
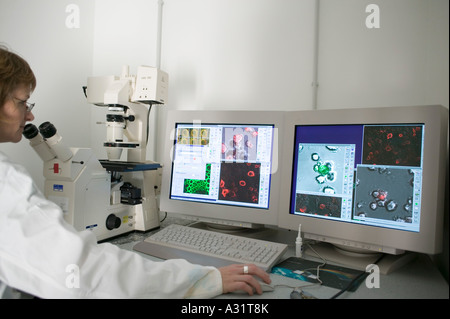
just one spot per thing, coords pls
(29, 106)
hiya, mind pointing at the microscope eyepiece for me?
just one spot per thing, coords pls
(30, 131)
(53, 140)
(47, 129)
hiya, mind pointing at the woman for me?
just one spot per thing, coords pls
(38, 249)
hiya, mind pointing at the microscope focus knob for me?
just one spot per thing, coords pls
(112, 221)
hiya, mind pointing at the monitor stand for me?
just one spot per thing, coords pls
(359, 259)
(226, 227)
(232, 228)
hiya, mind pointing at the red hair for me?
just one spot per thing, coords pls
(14, 71)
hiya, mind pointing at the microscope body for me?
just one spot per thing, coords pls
(81, 187)
(90, 200)
(113, 196)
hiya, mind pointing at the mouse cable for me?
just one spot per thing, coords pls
(324, 262)
(350, 284)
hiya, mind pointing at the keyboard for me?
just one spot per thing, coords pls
(210, 248)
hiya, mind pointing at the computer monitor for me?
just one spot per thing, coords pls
(221, 167)
(366, 180)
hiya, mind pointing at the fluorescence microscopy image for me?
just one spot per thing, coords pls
(199, 186)
(240, 182)
(318, 205)
(393, 145)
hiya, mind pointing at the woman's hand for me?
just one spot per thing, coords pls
(242, 277)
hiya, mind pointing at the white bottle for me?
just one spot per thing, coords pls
(299, 243)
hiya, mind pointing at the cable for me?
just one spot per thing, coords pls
(324, 262)
(299, 252)
(350, 284)
(165, 216)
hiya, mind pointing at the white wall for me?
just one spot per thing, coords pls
(253, 54)
(257, 54)
(124, 33)
(61, 58)
(404, 62)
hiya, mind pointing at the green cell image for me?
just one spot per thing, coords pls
(199, 186)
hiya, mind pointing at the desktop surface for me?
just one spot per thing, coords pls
(419, 279)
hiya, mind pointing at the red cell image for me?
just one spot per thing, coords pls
(239, 182)
(225, 192)
(393, 145)
(318, 205)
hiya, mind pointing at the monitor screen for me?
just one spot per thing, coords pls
(221, 166)
(366, 178)
(362, 174)
(227, 164)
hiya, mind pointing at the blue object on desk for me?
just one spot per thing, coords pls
(306, 270)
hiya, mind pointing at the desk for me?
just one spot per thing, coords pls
(418, 279)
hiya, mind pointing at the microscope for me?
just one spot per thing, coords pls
(116, 195)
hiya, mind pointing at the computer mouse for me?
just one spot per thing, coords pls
(266, 287)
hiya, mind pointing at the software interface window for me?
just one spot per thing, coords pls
(222, 164)
(366, 174)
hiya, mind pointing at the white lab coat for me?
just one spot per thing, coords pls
(40, 254)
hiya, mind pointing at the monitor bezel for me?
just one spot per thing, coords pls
(230, 215)
(429, 238)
